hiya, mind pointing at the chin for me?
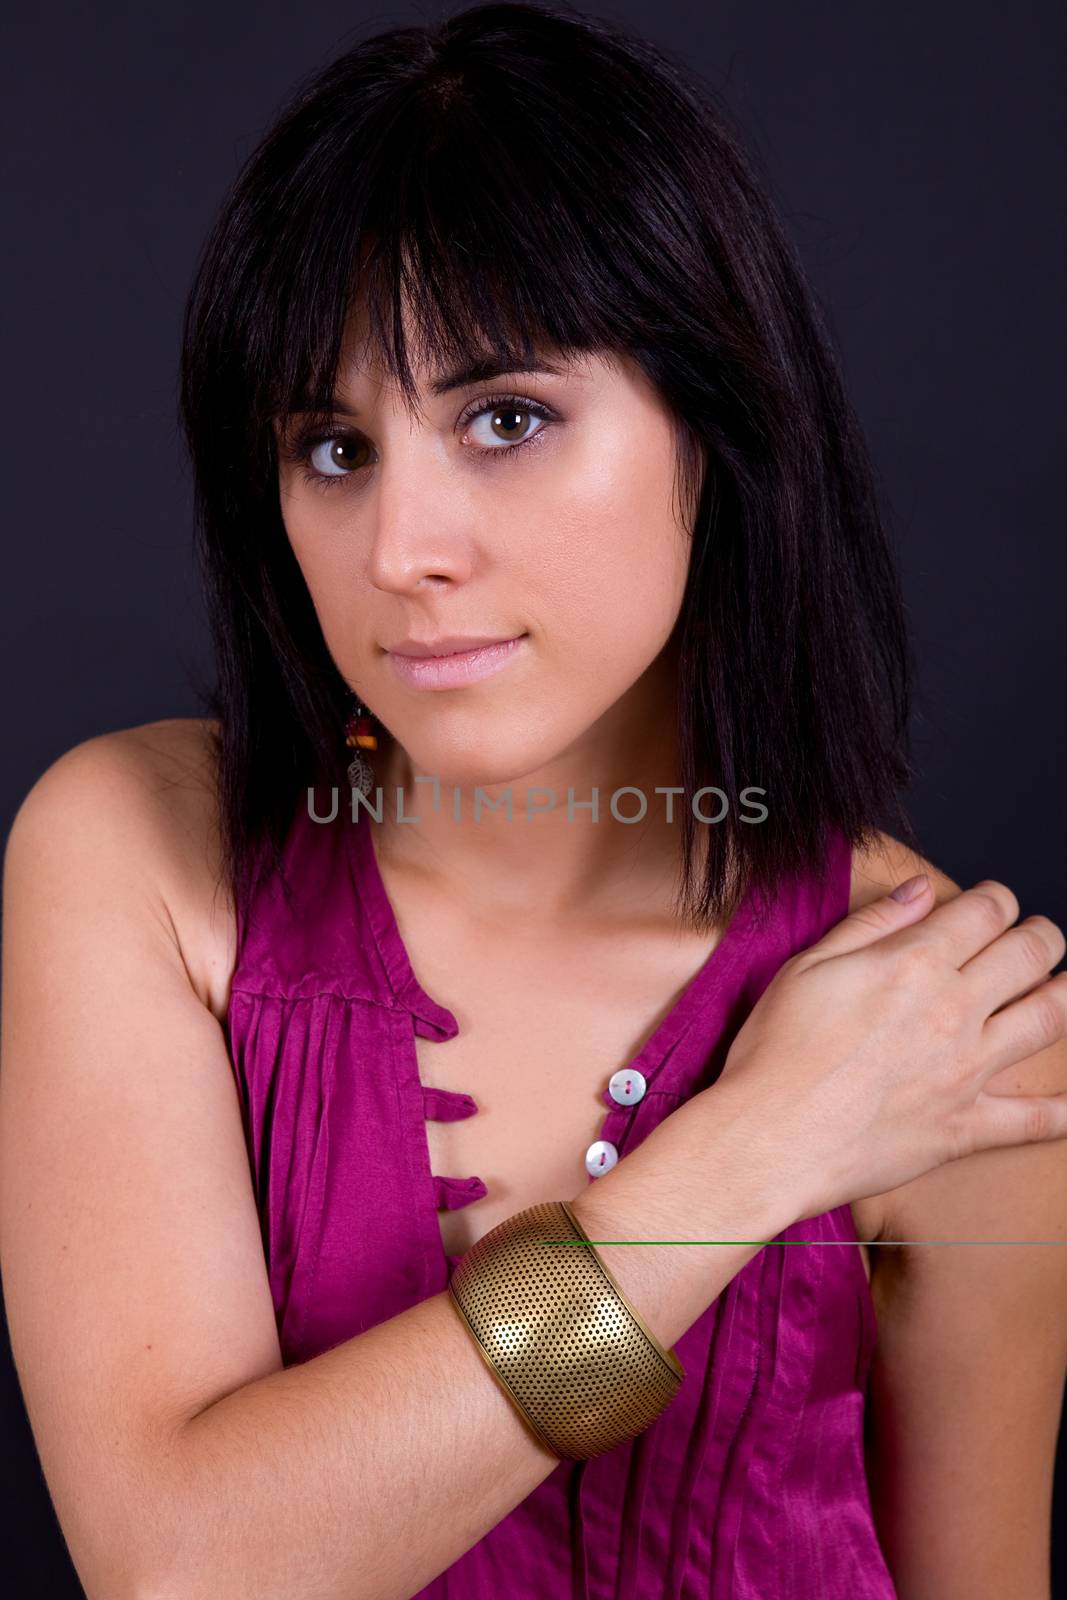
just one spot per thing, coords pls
(487, 761)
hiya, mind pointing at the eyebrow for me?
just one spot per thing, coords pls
(485, 370)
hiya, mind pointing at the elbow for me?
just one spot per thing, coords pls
(156, 1547)
(124, 1574)
(186, 1547)
(113, 1564)
(117, 1577)
(155, 1588)
(177, 1582)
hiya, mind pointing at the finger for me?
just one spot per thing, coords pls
(879, 919)
(1008, 1119)
(1025, 1026)
(1014, 963)
(960, 928)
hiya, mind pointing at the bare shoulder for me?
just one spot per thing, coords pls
(148, 794)
(967, 1377)
(959, 1193)
(879, 867)
(134, 1278)
(887, 862)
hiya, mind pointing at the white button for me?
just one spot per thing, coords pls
(627, 1086)
(600, 1157)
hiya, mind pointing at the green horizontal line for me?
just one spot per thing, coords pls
(801, 1241)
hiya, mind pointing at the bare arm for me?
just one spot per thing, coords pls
(968, 1374)
(339, 1477)
(182, 1459)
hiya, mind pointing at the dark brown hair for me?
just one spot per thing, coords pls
(524, 176)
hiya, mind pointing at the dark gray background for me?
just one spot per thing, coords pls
(917, 152)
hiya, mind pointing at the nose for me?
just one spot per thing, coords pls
(422, 532)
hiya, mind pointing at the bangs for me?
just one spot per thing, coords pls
(472, 217)
(516, 185)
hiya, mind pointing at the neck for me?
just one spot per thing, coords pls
(545, 860)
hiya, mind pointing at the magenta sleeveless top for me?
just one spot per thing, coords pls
(751, 1484)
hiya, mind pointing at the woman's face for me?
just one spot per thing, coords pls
(536, 506)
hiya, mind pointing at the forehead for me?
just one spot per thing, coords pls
(365, 375)
(410, 338)
(441, 360)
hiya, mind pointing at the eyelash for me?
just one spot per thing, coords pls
(307, 439)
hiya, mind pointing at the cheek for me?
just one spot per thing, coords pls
(610, 568)
(327, 558)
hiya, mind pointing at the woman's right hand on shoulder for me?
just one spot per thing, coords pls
(868, 1054)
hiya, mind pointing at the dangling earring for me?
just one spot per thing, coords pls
(360, 735)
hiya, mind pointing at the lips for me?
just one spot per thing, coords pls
(457, 667)
(447, 645)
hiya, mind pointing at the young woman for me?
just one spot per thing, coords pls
(511, 414)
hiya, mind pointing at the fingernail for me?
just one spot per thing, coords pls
(910, 889)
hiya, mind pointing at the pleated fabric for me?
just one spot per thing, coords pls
(751, 1484)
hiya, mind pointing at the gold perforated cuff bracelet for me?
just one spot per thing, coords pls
(581, 1366)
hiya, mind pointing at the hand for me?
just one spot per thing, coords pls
(865, 1060)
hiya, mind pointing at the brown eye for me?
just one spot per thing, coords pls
(508, 423)
(337, 457)
(497, 424)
